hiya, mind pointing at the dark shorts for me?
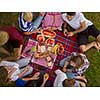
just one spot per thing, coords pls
(90, 31)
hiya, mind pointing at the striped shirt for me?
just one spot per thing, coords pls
(29, 26)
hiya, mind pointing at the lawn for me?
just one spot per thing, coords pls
(93, 72)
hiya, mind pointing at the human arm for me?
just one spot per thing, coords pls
(35, 24)
(64, 28)
(23, 72)
(34, 77)
(11, 72)
(81, 78)
(19, 51)
(34, 31)
(45, 78)
(82, 28)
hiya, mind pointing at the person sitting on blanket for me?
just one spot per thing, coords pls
(11, 42)
(62, 80)
(52, 21)
(26, 23)
(83, 28)
(75, 64)
(17, 69)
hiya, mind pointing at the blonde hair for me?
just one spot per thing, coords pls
(27, 16)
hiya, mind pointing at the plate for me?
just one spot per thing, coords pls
(49, 34)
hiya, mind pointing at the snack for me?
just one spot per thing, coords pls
(48, 58)
(49, 34)
(49, 48)
(44, 54)
(40, 38)
(42, 48)
(46, 75)
(36, 55)
(50, 42)
(55, 49)
(49, 64)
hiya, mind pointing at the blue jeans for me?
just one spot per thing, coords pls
(23, 63)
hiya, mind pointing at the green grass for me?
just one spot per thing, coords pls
(93, 72)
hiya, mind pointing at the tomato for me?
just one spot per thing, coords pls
(40, 38)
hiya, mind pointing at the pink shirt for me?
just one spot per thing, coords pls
(14, 33)
(52, 20)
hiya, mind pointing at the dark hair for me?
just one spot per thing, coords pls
(3, 75)
(68, 82)
(78, 60)
(71, 13)
(3, 78)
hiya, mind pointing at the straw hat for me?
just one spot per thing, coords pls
(3, 37)
(28, 16)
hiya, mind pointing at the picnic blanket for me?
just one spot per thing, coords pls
(70, 45)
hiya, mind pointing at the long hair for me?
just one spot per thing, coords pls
(78, 60)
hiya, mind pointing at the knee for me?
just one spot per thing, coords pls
(31, 69)
(82, 49)
(98, 38)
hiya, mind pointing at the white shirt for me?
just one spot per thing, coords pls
(77, 20)
(14, 76)
(61, 76)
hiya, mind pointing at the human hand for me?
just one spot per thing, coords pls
(45, 77)
(36, 76)
(42, 13)
(65, 32)
(70, 34)
(39, 30)
(64, 69)
(27, 68)
(18, 57)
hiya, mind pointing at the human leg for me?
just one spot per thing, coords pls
(3, 50)
(83, 41)
(23, 62)
(28, 72)
(86, 47)
(95, 33)
(98, 41)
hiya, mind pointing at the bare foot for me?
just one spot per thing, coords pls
(96, 45)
